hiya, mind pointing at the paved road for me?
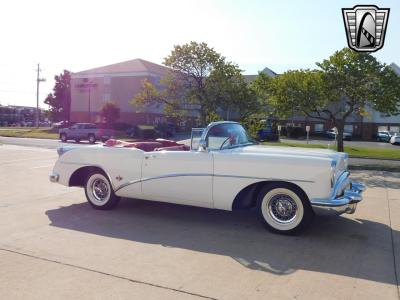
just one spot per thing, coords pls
(42, 143)
(53, 245)
(349, 143)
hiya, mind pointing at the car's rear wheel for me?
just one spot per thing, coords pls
(284, 208)
(63, 137)
(99, 192)
(92, 139)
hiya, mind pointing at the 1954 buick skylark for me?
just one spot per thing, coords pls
(223, 168)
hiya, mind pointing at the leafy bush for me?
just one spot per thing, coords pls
(120, 126)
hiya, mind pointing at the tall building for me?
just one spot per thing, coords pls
(118, 83)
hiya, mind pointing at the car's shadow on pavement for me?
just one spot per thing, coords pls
(335, 245)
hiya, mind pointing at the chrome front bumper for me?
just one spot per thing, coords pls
(54, 177)
(345, 203)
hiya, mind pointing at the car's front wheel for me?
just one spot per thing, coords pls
(284, 208)
(99, 192)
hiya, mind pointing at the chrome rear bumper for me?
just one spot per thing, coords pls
(345, 203)
(54, 177)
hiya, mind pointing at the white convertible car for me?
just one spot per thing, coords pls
(222, 168)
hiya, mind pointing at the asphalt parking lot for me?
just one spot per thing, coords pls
(54, 246)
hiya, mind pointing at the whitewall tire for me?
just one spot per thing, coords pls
(99, 192)
(284, 208)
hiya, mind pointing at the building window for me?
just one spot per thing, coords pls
(106, 97)
(107, 80)
(382, 128)
(395, 129)
(348, 128)
(319, 127)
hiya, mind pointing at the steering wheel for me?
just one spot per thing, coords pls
(230, 138)
(223, 143)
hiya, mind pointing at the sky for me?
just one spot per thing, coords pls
(79, 35)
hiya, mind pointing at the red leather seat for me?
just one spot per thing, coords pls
(167, 143)
(145, 146)
(158, 145)
(174, 148)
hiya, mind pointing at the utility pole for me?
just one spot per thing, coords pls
(38, 80)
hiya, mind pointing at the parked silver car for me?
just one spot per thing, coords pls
(332, 134)
(85, 131)
(383, 136)
(395, 139)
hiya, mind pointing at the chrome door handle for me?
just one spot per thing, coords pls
(150, 156)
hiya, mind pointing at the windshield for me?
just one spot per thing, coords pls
(227, 135)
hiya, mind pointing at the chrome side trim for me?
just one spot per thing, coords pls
(160, 177)
(203, 174)
(263, 178)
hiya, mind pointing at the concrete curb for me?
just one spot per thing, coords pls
(375, 168)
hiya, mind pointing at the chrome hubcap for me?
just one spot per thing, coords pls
(100, 189)
(282, 208)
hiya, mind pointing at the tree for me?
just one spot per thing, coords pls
(200, 82)
(230, 93)
(110, 112)
(60, 100)
(345, 84)
(169, 92)
(260, 87)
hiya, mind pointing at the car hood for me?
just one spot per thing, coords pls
(340, 159)
(291, 151)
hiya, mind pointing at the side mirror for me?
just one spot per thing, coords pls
(202, 146)
(196, 138)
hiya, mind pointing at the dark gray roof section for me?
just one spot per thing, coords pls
(395, 68)
(267, 71)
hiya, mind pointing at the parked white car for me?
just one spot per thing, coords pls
(222, 169)
(395, 139)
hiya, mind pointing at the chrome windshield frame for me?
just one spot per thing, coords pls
(204, 136)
